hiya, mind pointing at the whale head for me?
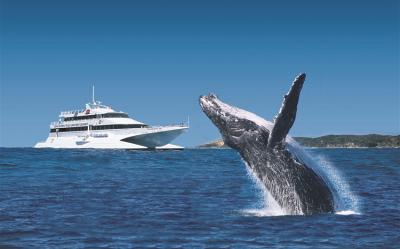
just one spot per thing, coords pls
(236, 126)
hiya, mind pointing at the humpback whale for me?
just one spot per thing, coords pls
(263, 146)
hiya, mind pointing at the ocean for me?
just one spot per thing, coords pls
(195, 198)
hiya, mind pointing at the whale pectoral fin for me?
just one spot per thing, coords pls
(287, 114)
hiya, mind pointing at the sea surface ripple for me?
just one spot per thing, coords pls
(196, 198)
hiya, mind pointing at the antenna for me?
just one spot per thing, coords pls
(94, 102)
(188, 121)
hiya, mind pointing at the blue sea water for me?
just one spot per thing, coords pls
(196, 198)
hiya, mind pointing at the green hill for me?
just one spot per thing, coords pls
(350, 141)
(337, 141)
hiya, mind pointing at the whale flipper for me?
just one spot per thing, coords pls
(292, 183)
(287, 114)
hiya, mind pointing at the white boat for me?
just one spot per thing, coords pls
(99, 126)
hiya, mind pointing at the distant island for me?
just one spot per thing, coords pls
(336, 141)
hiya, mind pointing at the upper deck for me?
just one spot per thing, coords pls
(94, 112)
(91, 108)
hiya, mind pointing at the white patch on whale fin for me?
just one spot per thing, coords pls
(287, 113)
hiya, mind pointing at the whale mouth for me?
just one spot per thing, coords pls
(203, 102)
(210, 106)
(208, 101)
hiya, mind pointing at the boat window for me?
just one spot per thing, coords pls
(115, 115)
(100, 127)
(80, 117)
(106, 115)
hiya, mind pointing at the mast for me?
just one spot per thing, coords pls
(94, 102)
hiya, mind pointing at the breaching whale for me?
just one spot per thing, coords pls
(262, 145)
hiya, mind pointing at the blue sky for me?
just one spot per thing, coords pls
(153, 59)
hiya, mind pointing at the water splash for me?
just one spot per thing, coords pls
(346, 203)
(347, 212)
(267, 206)
(345, 200)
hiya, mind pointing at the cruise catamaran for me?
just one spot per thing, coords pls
(99, 126)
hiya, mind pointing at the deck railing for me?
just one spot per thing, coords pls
(75, 123)
(71, 112)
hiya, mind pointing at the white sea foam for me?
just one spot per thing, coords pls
(347, 212)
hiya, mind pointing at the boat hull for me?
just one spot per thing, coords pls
(152, 138)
